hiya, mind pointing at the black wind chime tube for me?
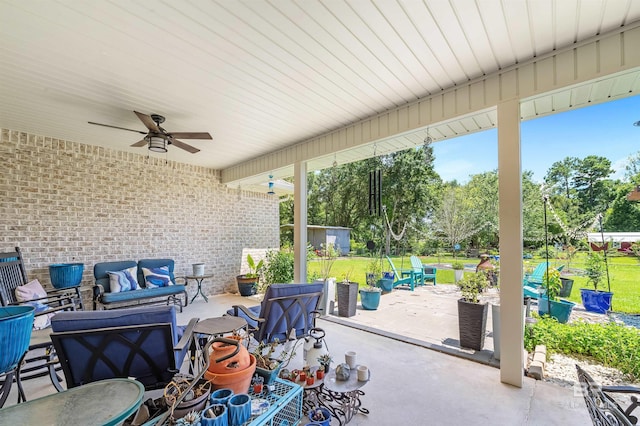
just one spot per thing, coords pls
(375, 197)
(546, 249)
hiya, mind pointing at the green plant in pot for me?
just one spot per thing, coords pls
(370, 294)
(268, 364)
(595, 300)
(549, 303)
(458, 270)
(472, 315)
(248, 283)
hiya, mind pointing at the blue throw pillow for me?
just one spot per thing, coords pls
(157, 277)
(123, 280)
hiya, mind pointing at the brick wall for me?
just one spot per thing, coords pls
(64, 201)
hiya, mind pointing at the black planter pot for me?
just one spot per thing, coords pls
(247, 286)
(472, 324)
(567, 285)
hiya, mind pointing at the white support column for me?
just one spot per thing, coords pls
(510, 221)
(300, 222)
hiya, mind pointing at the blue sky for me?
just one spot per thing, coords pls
(605, 129)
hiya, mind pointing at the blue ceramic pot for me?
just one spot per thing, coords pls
(215, 415)
(596, 301)
(221, 396)
(560, 310)
(239, 409)
(370, 299)
(326, 413)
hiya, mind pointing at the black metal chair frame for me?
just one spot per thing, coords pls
(128, 338)
(13, 274)
(291, 313)
(603, 409)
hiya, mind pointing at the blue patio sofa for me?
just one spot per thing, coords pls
(105, 298)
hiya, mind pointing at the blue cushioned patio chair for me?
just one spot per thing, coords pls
(285, 307)
(407, 277)
(144, 343)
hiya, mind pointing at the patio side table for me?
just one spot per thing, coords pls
(199, 279)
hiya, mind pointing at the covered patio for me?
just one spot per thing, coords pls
(411, 384)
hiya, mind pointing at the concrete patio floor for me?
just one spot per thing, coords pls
(410, 384)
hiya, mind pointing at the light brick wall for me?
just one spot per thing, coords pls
(64, 201)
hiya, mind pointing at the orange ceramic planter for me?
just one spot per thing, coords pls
(238, 380)
(238, 362)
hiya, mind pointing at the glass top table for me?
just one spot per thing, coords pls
(107, 402)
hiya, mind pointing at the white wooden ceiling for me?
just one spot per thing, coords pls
(261, 75)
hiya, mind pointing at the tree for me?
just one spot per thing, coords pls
(623, 215)
(455, 219)
(632, 169)
(560, 176)
(410, 188)
(588, 181)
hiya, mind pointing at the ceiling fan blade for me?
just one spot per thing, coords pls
(183, 145)
(191, 135)
(148, 121)
(140, 143)
(116, 127)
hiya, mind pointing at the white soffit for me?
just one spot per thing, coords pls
(261, 75)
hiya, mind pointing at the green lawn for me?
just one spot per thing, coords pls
(624, 274)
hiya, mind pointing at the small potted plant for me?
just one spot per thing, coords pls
(269, 366)
(325, 362)
(458, 270)
(248, 283)
(549, 304)
(370, 294)
(319, 416)
(595, 300)
(472, 315)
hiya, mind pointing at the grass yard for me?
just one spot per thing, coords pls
(624, 273)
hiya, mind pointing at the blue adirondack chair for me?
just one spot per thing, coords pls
(416, 270)
(401, 279)
(532, 282)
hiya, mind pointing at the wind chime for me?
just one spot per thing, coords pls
(375, 190)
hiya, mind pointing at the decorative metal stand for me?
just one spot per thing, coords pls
(343, 401)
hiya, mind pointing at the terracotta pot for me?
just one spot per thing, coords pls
(239, 361)
(238, 381)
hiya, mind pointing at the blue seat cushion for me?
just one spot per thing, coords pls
(142, 293)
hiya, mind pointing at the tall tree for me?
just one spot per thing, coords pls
(560, 176)
(590, 174)
(632, 168)
(456, 218)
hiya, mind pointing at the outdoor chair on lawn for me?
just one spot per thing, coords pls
(407, 277)
(144, 343)
(286, 310)
(416, 269)
(13, 275)
(532, 283)
(603, 408)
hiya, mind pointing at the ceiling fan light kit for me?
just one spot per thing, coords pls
(158, 138)
(157, 144)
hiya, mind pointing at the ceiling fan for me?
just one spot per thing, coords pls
(158, 138)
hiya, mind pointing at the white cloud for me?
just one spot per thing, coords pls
(619, 167)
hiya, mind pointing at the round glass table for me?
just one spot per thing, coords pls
(107, 402)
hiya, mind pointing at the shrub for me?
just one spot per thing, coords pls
(611, 344)
(279, 268)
